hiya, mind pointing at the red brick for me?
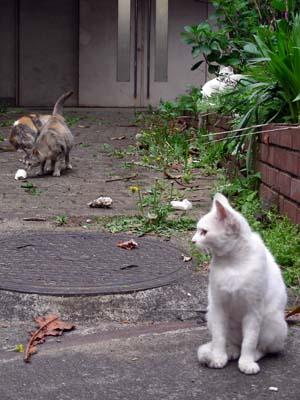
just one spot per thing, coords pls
(267, 153)
(273, 177)
(269, 175)
(272, 154)
(281, 137)
(269, 196)
(284, 183)
(291, 210)
(274, 137)
(285, 160)
(264, 151)
(296, 139)
(285, 138)
(262, 169)
(298, 216)
(295, 190)
(281, 204)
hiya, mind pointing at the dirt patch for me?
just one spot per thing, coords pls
(95, 173)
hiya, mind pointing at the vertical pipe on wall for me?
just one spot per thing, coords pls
(149, 20)
(17, 52)
(76, 52)
(135, 62)
(123, 45)
(161, 40)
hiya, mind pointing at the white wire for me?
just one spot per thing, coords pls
(251, 133)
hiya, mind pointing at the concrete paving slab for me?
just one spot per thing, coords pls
(145, 362)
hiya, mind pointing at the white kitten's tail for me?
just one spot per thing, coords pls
(58, 108)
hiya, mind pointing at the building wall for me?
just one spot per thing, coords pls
(8, 53)
(280, 169)
(51, 46)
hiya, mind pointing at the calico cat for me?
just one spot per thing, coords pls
(54, 142)
(226, 79)
(246, 294)
(25, 132)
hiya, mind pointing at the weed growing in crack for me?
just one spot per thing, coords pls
(30, 188)
(61, 220)
(155, 213)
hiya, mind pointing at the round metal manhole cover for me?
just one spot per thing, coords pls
(85, 264)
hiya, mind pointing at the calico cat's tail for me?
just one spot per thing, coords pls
(58, 108)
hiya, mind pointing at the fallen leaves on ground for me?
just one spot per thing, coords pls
(168, 175)
(49, 325)
(293, 311)
(129, 245)
(205, 265)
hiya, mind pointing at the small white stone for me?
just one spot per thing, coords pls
(21, 174)
(181, 205)
(273, 389)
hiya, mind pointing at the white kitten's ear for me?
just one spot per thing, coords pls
(221, 210)
(221, 198)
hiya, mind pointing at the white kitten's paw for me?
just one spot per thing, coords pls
(69, 166)
(249, 367)
(208, 357)
(204, 353)
(56, 173)
(233, 352)
(218, 361)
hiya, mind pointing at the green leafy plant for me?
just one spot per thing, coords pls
(141, 225)
(61, 220)
(222, 38)
(30, 188)
(72, 119)
(155, 213)
(276, 69)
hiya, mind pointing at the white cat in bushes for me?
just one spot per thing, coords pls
(246, 294)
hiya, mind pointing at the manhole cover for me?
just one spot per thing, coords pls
(85, 264)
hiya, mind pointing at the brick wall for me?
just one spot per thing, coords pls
(279, 163)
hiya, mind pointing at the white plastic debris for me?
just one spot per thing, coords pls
(186, 258)
(21, 174)
(181, 205)
(101, 202)
(273, 389)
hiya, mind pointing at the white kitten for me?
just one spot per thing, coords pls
(246, 294)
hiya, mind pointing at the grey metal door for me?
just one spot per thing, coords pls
(48, 51)
(130, 51)
(168, 61)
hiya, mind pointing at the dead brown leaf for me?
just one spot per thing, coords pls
(129, 245)
(170, 176)
(48, 325)
(293, 311)
(205, 265)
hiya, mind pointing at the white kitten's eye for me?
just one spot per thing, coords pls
(203, 232)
